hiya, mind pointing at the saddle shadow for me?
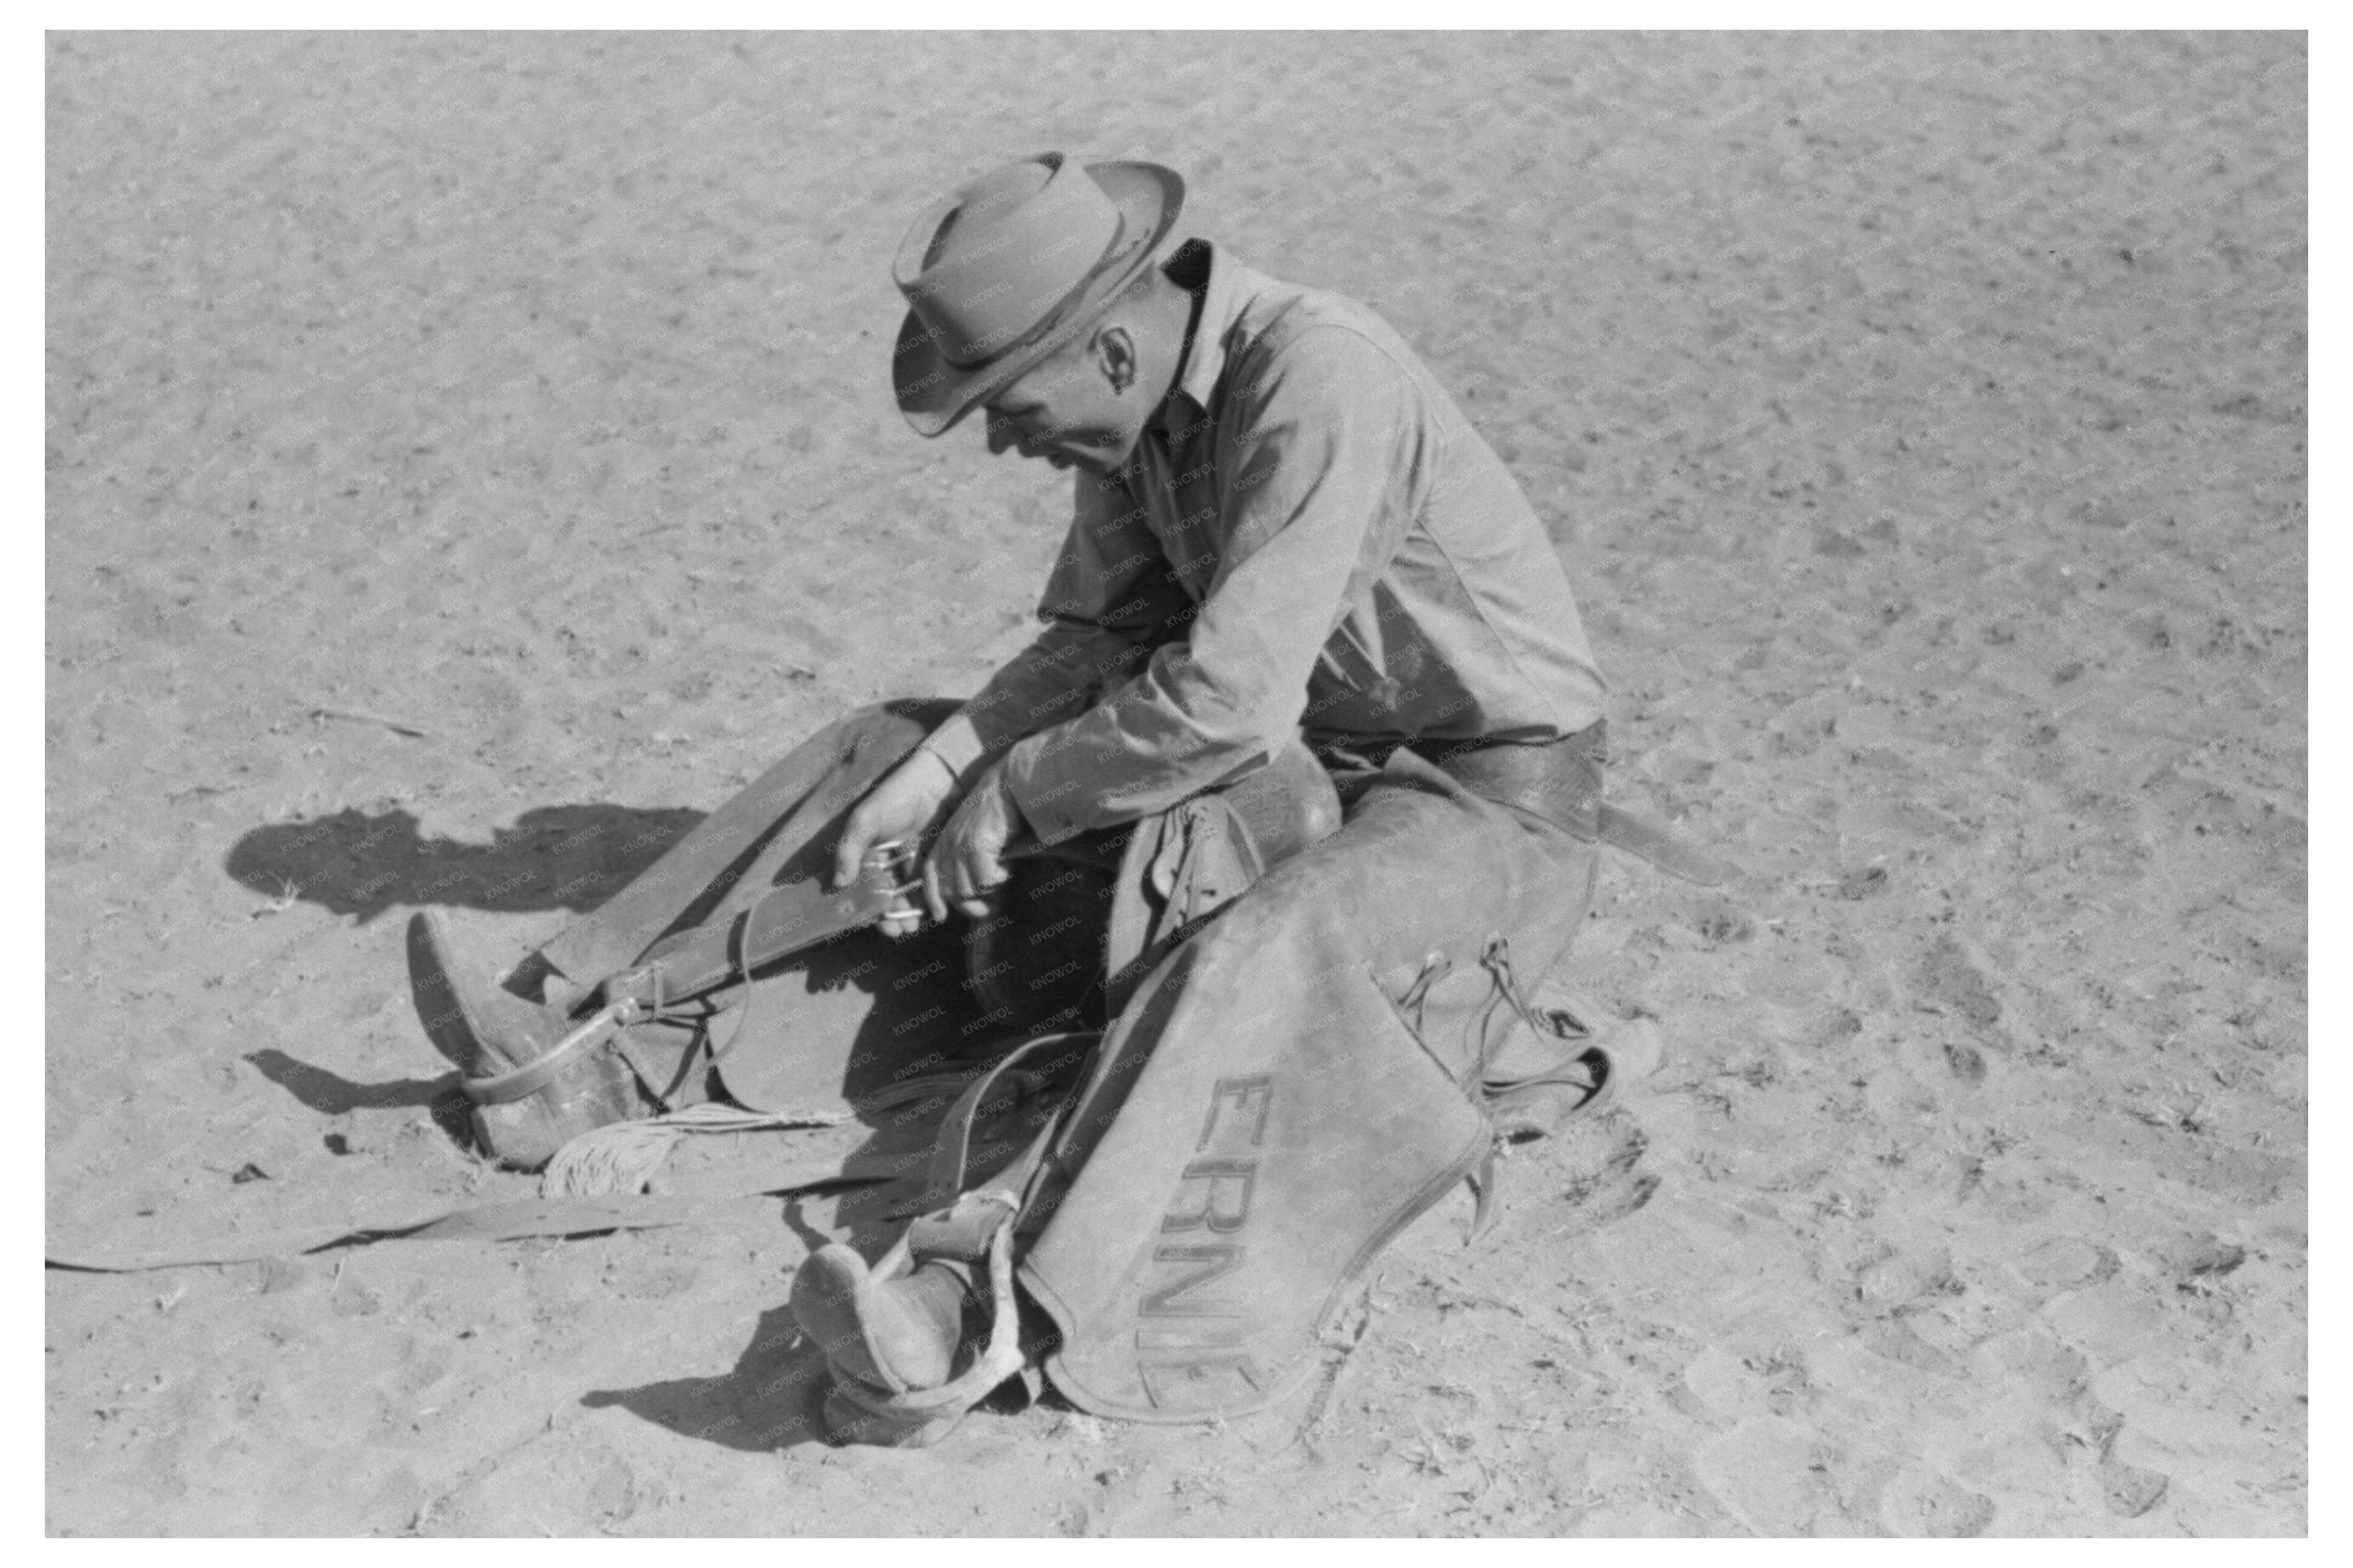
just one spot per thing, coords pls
(769, 1402)
(362, 864)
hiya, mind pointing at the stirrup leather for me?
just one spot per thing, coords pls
(965, 1227)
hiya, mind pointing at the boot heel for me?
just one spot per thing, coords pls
(524, 1134)
(879, 1426)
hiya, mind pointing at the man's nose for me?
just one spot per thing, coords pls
(1002, 436)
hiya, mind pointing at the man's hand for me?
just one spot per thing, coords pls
(904, 805)
(967, 866)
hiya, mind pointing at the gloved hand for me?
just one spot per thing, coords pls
(967, 867)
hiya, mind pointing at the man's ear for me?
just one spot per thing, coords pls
(1114, 355)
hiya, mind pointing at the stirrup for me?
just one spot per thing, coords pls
(857, 1412)
(961, 1228)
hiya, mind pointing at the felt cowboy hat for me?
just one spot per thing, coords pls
(1003, 271)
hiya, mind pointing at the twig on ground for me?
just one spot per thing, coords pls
(1320, 1404)
(356, 717)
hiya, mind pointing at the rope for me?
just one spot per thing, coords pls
(622, 1156)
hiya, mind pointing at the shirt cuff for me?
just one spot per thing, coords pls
(1055, 808)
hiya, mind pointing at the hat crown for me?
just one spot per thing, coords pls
(990, 261)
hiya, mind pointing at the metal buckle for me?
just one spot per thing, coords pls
(891, 867)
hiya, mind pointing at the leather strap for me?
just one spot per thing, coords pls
(600, 1027)
(781, 920)
(953, 1147)
(1560, 781)
(755, 834)
(1651, 841)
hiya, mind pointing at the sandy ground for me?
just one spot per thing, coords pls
(1923, 420)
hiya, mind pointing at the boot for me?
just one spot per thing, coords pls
(470, 1018)
(487, 1031)
(898, 1335)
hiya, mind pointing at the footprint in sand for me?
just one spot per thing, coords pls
(1595, 1160)
(2131, 1490)
(1920, 1501)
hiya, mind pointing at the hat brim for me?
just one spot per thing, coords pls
(933, 393)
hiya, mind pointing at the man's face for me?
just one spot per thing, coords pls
(1066, 410)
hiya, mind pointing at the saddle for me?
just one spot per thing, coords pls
(1246, 1183)
(1289, 1164)
(1078, 925)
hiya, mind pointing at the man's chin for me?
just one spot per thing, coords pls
(1091, 460)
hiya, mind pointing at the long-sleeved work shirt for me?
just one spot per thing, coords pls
(1310, 536)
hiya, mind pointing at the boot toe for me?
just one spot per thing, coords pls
(898, 1335)
(467, 1015)
(436, 993)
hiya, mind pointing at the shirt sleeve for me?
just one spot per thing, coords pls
(1108, 601)
(1314, 493)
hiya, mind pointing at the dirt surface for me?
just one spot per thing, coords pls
(1922, 422)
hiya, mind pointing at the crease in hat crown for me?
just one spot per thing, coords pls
(988, 263)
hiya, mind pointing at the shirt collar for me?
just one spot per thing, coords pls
(1222, 298)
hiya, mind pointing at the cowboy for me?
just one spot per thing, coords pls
(1288, 543)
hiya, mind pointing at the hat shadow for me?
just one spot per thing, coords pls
(361, 863)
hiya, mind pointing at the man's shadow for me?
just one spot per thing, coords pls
(554, 857)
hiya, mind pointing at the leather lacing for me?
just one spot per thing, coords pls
(1496, 958)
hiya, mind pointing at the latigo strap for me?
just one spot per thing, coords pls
(1645, 840)
(1561, 782)
(786, 920)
